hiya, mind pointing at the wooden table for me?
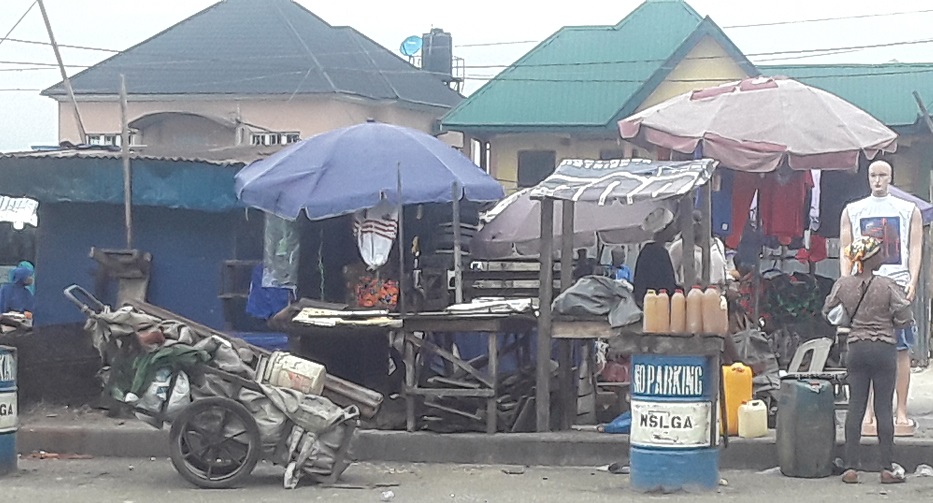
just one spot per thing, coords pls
(491, 325)
(568, 331)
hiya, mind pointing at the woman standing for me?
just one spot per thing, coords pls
(875, 306)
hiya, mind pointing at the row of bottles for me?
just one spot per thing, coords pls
(694, 313)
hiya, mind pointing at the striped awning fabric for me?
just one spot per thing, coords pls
(624, 180)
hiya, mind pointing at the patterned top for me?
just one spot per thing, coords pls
(884, 308)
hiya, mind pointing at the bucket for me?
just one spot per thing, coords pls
(8, 409)
(287, 371)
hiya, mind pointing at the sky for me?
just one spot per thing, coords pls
(28, 119)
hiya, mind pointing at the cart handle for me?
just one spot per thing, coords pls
(85, 308)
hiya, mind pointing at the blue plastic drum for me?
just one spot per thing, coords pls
(8, 409)
(672, 447)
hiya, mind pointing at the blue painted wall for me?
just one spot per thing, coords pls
(188, 248)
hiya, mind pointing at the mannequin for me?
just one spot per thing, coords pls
(897, 223)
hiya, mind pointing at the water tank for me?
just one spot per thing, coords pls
(437, 52)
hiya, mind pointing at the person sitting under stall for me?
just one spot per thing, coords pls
(653, 268)
(618, 270)
(583, 265)
(15, 296)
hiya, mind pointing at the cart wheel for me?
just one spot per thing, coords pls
(215, 443)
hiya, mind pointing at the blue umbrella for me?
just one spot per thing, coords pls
(354, 168)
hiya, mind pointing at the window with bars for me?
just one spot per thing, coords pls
(275, 138)
(111, 139)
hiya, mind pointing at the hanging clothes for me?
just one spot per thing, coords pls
(744, 187)
(782, 203)
(722, 202)
(837, 189)
(375, 230)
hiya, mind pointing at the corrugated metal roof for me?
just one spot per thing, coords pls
(266, 47)
(581, 76)
(221, 157)
(95, 176)
(883, 90)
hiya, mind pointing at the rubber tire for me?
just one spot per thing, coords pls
(190, 412)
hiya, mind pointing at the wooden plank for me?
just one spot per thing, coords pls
(583, 330)
(451, 392)
(444, 381)
(566, 245)
(686, 230)
(470, 323)
(451, 410)
(430, 346)
(568, 392)
(543, 360)
(492, 413)
(409, 360)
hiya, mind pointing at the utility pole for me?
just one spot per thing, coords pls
(61, 68)
(127, 174)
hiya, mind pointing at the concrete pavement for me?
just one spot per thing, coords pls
(93, 434)
(155, 481)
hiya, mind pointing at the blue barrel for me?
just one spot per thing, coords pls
(672, 447)
(8, 409)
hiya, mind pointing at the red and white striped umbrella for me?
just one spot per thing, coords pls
(759, 123)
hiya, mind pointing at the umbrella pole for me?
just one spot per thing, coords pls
(401, 241)
(706, 226)
(458, 273)
(756, 279)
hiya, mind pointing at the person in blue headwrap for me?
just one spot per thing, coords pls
(15, 296)
(27, 265)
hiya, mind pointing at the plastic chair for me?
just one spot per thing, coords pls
(819, 353)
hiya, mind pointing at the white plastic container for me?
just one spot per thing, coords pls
(753, 419)
(287, 371)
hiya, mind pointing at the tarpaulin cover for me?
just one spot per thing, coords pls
(758, 123)
(926, 209)
(354, 168)
(189, 185)
(599, 296)
(624, 180)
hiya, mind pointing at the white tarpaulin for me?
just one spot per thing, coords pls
(19, 210)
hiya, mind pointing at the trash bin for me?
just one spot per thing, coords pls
(8, 410)
(674, 439)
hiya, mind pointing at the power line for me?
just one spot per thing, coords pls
(737, 26)
(813, 52)
(776, 56)
(822, 19)
(18, 21)
(67, 46)
(699, 80)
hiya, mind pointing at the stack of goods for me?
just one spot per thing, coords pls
(695, 313)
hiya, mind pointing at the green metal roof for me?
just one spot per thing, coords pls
(584, 76)
(882, 90)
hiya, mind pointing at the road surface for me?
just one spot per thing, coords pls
(145, 480)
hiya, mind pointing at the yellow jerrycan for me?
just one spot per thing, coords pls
(737, 384)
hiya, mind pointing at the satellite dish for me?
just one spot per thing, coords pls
(411, 46)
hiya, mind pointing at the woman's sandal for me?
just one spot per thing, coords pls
(905, 430)
(850, 476)
(892, 477)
